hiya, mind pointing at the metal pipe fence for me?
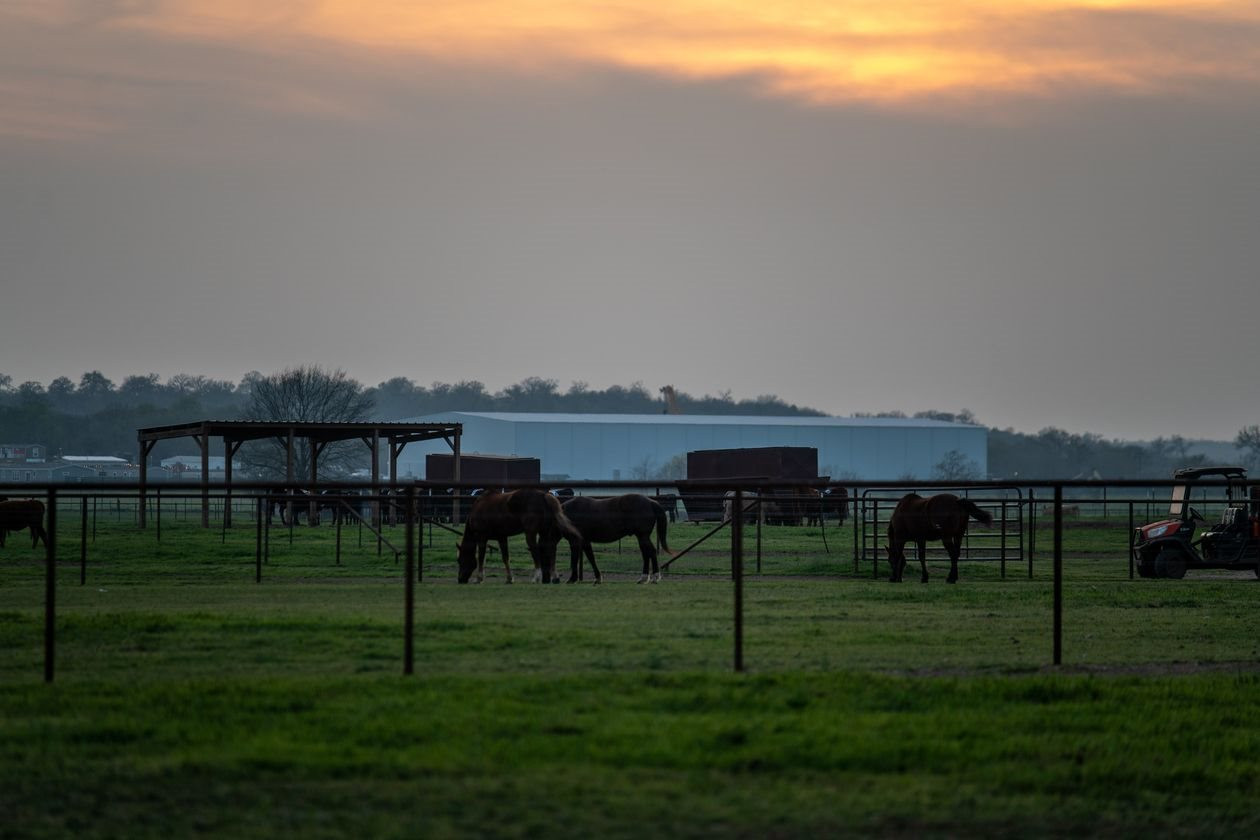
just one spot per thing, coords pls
(435, 504)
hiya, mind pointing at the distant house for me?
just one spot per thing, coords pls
(32, 452)
(192, 463)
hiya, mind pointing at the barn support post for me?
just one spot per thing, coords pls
(203, 443)
(50, 588)
(312, 508)
(1058, 574)
(375, 446)
(737, 572)
(146, 449)
(455, 467)
(410, 586)
(229, 452)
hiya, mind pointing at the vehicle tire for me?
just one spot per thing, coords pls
(1146, 567)
(1170, 563)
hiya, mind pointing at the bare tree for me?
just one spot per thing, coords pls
(955, 466)
(1248, 440)
(307, 394)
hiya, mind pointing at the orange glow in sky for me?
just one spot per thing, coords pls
(882, 52)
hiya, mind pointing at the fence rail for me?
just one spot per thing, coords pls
(419, 503)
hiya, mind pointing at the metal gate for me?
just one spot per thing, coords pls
(1001, 543)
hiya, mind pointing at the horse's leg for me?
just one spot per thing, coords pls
(953, 545)
(923, 560)
(480, 574)
(651, 571)
(589, 552)
(541, 572)
(507, 564)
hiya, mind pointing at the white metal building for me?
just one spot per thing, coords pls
(626, 446)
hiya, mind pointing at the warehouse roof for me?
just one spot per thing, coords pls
(707, 419)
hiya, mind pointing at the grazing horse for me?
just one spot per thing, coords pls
(941, 517)
(608, 520)
(16, 514)
(497, 515)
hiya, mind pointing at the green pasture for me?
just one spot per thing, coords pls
(191, 700)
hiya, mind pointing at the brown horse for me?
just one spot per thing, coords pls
(536, 514)
(941, 517)
(608, 520)
(16, 514)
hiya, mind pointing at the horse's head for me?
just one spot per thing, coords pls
(467, 559)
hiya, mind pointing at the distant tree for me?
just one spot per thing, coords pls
(955, 466)
(6, 383)
(139, 390)
(61, 393)
(531, 394)
(1248, 440)
(312, 395)
(644, 470)
(964, 416)
(674, 468)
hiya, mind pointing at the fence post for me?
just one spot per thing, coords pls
(1058, 574)
(258, 541)
(1130, 539)
(410, 586)
(50, 588)
(737, 572)
(83, 542)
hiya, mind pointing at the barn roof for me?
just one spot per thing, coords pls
(705, 419)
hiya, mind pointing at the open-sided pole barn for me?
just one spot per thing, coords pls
(318, 435)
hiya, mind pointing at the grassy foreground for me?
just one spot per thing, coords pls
(190, 700)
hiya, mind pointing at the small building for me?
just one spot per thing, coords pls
(490, 470)
(30, 452)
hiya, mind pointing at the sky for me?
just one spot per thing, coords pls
(1046, 212)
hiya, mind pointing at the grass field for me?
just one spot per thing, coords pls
(190, 700)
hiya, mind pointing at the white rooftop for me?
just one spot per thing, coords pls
(701, 419)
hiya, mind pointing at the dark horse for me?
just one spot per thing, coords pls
(941, 517)
(536, 514)
(16, 514)
(608, 520)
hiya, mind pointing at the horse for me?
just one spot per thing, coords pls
(834, 501)
(941, 517)
(16, 514)
(278, 501)
(537, 514)
(608, 520)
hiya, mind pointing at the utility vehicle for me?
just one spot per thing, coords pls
(1167, 548)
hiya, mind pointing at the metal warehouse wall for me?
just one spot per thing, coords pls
(599, 447)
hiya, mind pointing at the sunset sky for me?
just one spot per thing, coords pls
(1045, 212)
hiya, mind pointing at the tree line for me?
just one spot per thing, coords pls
(96, 416)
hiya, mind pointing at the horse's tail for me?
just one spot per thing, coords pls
(975, 512)
(662, 524)
(566, 527)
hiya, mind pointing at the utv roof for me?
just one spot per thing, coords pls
(1200, 472)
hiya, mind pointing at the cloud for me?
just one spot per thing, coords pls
(83, 68)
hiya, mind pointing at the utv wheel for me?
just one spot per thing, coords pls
(1146, 568)
(1170, 563)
